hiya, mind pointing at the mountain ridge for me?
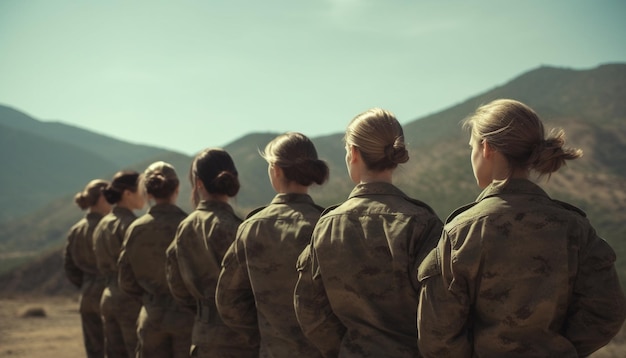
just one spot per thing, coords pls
(588, 104)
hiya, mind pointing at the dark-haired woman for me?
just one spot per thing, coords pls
(357, 294)
(255, 289)
(80, 264)
(164, 327)
(119, 310)
(516, 273)
(194, 258)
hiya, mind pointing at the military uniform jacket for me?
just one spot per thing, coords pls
(357, 294)
(517, 274)
(142, 259)
(258, 276)
(80, 259)
(194, 262)
(107, 241)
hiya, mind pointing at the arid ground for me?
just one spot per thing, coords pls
(58, 334)
(24, 333)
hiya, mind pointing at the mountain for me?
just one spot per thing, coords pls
(119, 152)
(588, 104)
(42, 161)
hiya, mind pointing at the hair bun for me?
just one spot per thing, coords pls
(397, 152)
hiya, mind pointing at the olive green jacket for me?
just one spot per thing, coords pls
(193, 266)
(142, 259)
(108, 238)
(255, 290)
(517, 274)
(80, 259)
(357, 293)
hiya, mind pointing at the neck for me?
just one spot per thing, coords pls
(214, 197)
(294, 188)
(385, 176)
(97, 210)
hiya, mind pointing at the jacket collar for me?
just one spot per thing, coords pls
(376, 188)
(214, 205)
(165, 208)
(514, 186)
(284, 198)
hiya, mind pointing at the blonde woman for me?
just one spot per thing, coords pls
(357, 293)
(255, 289)
(517, 273)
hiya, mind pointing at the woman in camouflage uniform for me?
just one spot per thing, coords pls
(195, 256)
(357, 293)
(516, 273)
(164, 327)
(119, 310)
(81, 268)
(255, 289)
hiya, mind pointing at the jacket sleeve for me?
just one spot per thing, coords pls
(598, 307)
(174, 277)
(444, 305)
(424, 240)
(198, 265)
(73, 273)
(234, 296)
(126, 276)
(317, 320)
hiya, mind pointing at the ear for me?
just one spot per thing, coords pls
(278, 171)
(487, 149)
(198, 183)
(354, 152)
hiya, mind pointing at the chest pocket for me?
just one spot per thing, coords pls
(430, 267)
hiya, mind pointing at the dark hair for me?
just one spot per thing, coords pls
(515, 130)
(160, 180)
(379, 137)
(91, 194)
(295, 154)
(123, 180)
(216, 169)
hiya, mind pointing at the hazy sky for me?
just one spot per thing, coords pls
(186, 74)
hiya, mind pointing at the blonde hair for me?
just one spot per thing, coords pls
(296, 155)
(379, 137)
(515, 130)
(90, 195)
(160, 180)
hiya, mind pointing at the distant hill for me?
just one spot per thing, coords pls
(588, 104)
(35, 170)
(42, 161)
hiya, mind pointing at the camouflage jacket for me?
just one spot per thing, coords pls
(80, 259)
(255, 290)
(142, 259)
(194, 262)
(107, 240)
(357, 294)
(518, 274)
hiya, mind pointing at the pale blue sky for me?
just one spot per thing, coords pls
(186, 74)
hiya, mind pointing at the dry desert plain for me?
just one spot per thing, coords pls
(58, 333)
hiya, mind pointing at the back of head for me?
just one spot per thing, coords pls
(90, 195)
(160, 180)
(123, 180)
(515, 130)
(216, 169)
(296, 155)
(379, 137)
